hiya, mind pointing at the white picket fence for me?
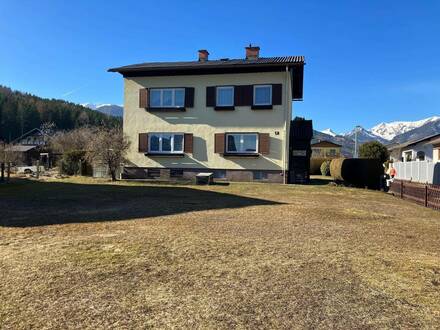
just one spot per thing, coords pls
(418, 171)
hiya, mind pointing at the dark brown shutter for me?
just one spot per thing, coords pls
(277, 94)
(189, 97)
(143, 98)
(263, 143)
(210, 96)
(143, 142)
(188, 143)
(219, 143)
(243, 95)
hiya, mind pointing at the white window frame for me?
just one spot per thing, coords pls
(173, 97)
(255, 94)
(223, 88)
(241, 143)
(160, 151)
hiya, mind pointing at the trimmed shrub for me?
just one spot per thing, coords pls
(325, 168)
(358, 172)
(315, 165)
(71, 160)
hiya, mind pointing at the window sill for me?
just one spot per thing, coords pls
(222, 108)
(241, 155)
(159, 154)
(262, 107)
(172, 109)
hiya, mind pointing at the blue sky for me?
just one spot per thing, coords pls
(367, 61)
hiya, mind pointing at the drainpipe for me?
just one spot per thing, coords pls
(288, 117)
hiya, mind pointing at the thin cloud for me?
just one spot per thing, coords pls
(73, 91)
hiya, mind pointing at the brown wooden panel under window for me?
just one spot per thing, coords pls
(219, 143)
(277, 94)
(263, 143)
(210, 96)
(243, 95)
(188, 143)
(143, 98)
(189, 97)
(143, 142)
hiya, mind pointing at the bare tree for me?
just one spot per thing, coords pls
(74, 140)
(108, 147)
(8, 157)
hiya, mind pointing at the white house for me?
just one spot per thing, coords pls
(417, 160)
(426, 149)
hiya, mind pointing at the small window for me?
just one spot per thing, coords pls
(219, 174)
(421, 155)
(242, 143)
(260, 175)
(166, 143)
(225, 96)
(167, 97)
(262, 95)
(176, 173)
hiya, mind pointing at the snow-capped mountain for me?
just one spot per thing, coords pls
(109, 109)
(329, 131)
(389, 131)
(386, 133)
(364, 135)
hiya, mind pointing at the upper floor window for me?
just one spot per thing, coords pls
(262, 94)
(225, 96)
(242, 143)
(167, 97)
(165, 142)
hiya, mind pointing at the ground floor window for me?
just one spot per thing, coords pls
(165, 142)
(242, 143)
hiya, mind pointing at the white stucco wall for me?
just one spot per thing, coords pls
(204, 122)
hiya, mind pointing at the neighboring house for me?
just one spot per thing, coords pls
(326, 149)
(228, 116)
(34, 137)
(31, 147)
(417, 150)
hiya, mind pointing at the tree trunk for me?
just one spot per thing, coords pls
(2, 172)
(113, 173)
(9, 172)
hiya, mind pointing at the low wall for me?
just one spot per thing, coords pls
(418, 171)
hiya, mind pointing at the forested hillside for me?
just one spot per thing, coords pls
(21, 112)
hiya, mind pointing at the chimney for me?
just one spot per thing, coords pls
(203, 55)
(252, 52)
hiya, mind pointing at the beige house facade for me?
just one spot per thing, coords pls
(228, 117)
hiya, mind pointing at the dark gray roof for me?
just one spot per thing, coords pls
(20, 148)
(210, 64)
(412, 142)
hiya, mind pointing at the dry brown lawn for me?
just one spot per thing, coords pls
(87, 254)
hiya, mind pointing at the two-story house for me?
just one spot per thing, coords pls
(326, 149)
(227, 116)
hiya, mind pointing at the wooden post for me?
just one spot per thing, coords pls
(2, 178)
(38, 169)
(426, 195)
(401, 189)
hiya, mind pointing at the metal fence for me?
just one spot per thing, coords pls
(427, 195)
(418, 171)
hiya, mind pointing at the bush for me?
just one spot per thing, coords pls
(357, 171)
(325, 168)
(71, 160)
(374, 150)
(315, 165)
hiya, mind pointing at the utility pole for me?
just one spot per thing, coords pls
(356, 129)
